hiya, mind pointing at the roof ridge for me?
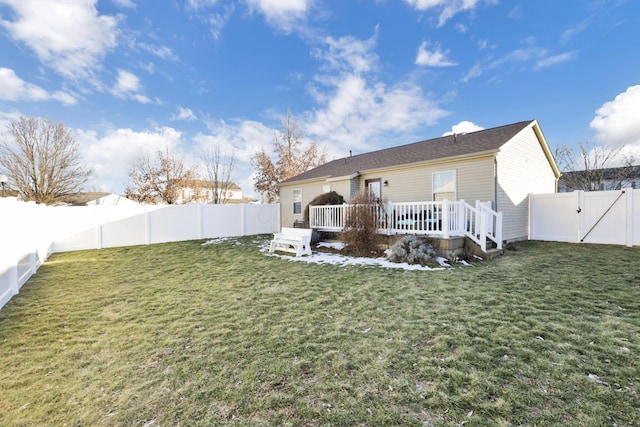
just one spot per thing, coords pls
(484, 140)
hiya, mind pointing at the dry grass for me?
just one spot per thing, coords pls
(184, 334)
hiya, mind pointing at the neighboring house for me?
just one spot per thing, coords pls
(600, 179)
(201, 191)
(502, 166)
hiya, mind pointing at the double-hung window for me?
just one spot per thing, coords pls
(297, 201)
(444, 185)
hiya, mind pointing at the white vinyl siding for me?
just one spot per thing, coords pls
(522, 169)
(310, 191)
(475, 180)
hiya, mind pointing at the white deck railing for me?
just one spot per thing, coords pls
(439, 219)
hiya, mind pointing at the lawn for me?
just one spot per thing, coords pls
(192, 334)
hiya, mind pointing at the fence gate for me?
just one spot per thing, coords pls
(606, 217)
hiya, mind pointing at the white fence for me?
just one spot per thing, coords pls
(29, 233)
(608, 217)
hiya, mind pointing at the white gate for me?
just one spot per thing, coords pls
(607, 217)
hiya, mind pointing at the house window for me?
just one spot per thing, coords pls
(444, 185)
(297, 201)
(326, 188)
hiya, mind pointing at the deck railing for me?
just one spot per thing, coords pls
(439, 219)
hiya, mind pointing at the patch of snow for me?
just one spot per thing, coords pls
(443, 261)
(596, 379)
(343, 260)
(218, 240)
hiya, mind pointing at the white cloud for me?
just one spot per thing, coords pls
(242, 137)
(616, 122)
(184, 114)
(284, 15)
(348, 54)
(217, 21)
(128, 86)
(111, 155)
(70, 37)
(13, 88)
(201, 4)
(6, 118)
(127, 82)
(128, 4)
(163, 52)
(448, 8)
(355, 109)
(463, 127)
(532, 57)
(475, 71)
(434, 58)
(550, 61)
(571, 32)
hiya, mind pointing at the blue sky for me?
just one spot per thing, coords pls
(135, 75)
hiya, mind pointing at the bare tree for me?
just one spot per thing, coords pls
(160, 178)
(589, 167)
(219, 169)
(292, 159)
(42, 160)
(362, 222)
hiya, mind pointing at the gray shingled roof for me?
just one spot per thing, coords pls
(423, 151)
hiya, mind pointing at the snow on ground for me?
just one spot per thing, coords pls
(344, 260)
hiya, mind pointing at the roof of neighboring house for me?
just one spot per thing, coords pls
(429, 150)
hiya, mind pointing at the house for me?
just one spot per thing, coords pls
(499, 167)
(606, 179)
(202, 191)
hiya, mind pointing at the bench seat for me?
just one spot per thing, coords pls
(294, 240)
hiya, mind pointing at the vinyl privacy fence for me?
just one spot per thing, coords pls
(607, 217)
(29, 233)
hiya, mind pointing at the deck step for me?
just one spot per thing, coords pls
(494, 252)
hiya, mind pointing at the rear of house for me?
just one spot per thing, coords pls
(500, 165)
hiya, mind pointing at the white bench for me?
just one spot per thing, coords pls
(295, 240)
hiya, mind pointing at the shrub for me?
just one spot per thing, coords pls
(360, 234)
(412, 250)
(330, 198)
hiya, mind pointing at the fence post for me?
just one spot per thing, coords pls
(483, 229)
(243, 225)
(579, 208)
(445, 218)
(629, 222)
(312, 216)
(200, 219)
(147, 226)
(13, 278)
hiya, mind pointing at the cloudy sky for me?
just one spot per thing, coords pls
(134, 75)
